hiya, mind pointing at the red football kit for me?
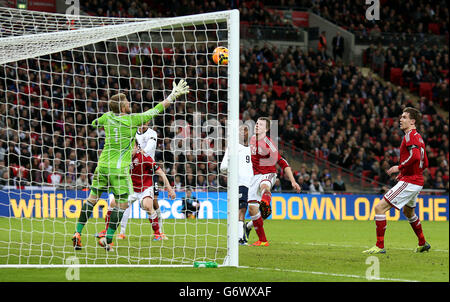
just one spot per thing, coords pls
(142, 171)
(413, 158)
(265, 156)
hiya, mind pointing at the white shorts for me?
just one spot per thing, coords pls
(403, 193)
(254, 191)
(149, 192)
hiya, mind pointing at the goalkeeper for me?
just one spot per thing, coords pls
(113, 168)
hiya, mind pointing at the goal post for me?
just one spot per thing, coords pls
(233, 139)
(57, 73)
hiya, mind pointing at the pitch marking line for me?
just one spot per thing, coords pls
(356, 246)
(329, 274)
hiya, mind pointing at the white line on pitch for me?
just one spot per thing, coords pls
(329, 274)
(356, 246)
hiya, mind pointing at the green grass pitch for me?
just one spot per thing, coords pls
(299, 251)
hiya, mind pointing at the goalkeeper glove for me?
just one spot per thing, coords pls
(178, 90)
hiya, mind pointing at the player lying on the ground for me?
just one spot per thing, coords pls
(413, 160)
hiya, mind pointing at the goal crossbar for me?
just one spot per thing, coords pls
(18, 48)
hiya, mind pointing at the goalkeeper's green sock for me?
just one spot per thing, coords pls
(86, 211)
(116, 217)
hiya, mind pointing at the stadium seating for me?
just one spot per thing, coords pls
(426, 90)
(396, 76)
(435, 28)
(432, 171)
(398, 12)
(281, 104)
(278, 90)
(300, 97)
(430, 69)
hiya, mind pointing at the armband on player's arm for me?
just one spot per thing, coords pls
(414, 156)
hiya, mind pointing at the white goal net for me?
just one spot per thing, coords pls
(57, 74)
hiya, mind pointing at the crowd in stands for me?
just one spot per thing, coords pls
(424, 17)
(321, 106)
(251, 12)
(47, 106)
(152, 9)
(423, 70)
(333, 110)
(410, 17)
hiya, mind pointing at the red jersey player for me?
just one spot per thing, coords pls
(413, 160)
(264, 156)
(142, 166)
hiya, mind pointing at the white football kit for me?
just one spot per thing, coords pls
(147, 141)
(245, 165)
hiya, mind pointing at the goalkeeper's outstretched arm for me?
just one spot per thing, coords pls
(178, 90)
(122, 107)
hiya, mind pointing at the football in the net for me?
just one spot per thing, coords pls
(220, 55)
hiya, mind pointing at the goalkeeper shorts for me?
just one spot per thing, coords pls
(117, 181)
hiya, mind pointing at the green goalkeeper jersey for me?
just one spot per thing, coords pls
(120, 131)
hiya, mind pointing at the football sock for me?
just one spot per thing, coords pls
(86, 211)
(241, 229)
(380, 221)
(258, 223)
(252, 203)
(116, 217)
(250, 225)
(124, 221)
(155, 224)
(107, 218)
(158, 212)
(266, 197)
(417, 227)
